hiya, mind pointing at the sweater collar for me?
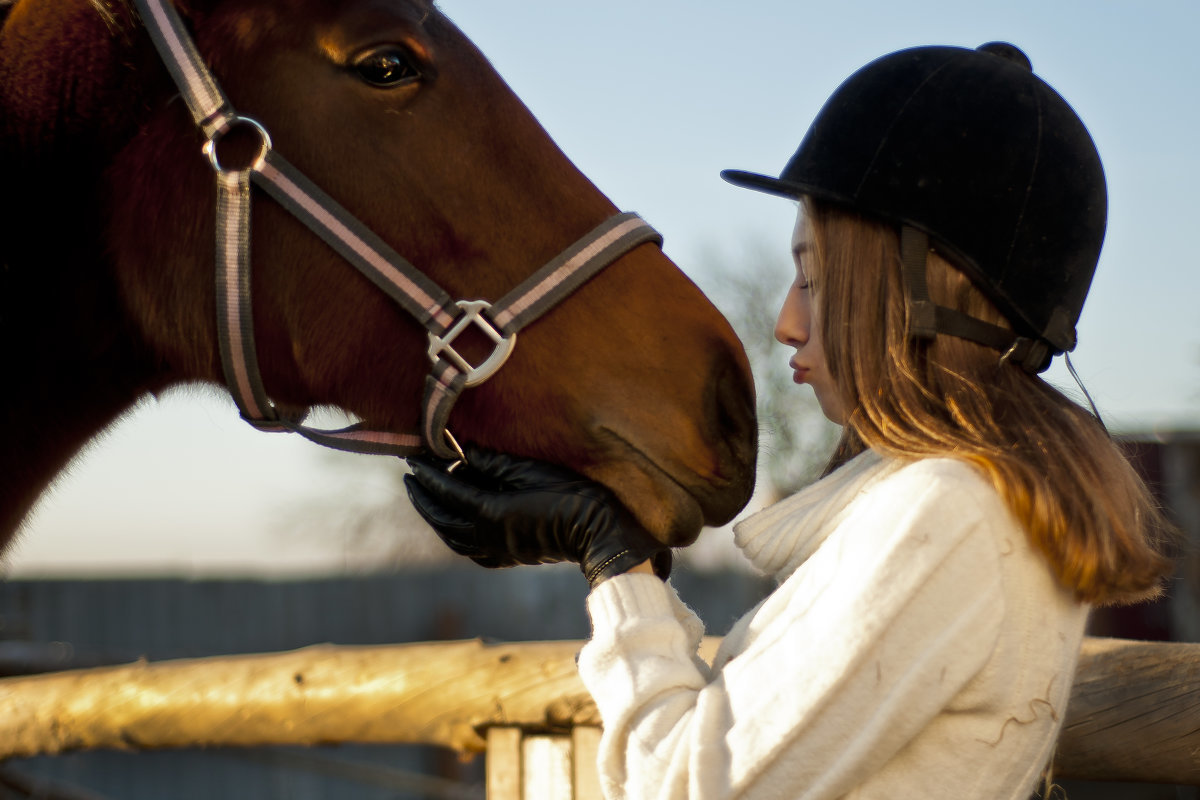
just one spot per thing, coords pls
(781, 537)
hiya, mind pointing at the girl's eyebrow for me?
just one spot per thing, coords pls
(799, 248)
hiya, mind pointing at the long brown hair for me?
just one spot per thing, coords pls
(1052, 462)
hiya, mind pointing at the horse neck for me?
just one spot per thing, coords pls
(72, 369)
(73, 359)
(74, 362)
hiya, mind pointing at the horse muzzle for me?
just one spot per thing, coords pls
(677, 477)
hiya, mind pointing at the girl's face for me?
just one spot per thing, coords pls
(797, 327)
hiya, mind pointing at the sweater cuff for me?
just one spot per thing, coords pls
(632, 595)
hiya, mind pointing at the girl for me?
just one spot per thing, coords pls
(935, 583)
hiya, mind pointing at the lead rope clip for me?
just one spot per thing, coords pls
(457, 448)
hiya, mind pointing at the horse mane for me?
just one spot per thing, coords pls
(113, 12)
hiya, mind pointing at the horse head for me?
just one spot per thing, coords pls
(636, 380)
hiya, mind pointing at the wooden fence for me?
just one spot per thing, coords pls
(1134, 713)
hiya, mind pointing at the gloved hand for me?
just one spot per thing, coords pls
(501, 511)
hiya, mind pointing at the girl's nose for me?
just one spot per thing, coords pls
(791, 326)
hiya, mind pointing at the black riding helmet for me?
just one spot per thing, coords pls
(974, 151)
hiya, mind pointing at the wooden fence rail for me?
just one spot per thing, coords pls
(1134, 713)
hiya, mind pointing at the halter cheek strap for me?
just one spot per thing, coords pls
(443, 318)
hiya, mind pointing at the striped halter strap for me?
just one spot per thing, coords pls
(443, 317)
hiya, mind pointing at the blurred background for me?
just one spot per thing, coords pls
(181, 503)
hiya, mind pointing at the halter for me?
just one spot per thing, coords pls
(443, 318)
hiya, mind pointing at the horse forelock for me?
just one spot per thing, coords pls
(118, 17)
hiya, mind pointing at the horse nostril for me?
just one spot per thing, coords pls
(736, 421)
(735, 438)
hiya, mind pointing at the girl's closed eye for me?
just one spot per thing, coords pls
(799, 256)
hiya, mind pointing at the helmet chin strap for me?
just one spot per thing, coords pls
(926, 319)
(1082, 388)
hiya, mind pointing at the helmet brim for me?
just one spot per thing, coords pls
(765, 183)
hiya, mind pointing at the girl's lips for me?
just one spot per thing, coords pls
(798, 373)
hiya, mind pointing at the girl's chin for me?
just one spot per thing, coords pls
(831, 410)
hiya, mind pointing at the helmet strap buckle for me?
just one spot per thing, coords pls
(1029, 354)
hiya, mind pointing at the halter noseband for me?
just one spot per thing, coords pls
(443, 318)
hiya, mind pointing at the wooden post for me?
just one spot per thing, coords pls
(1134, 714)
(1131, 716)
(526, 764)
(586, 740)
(503, 763)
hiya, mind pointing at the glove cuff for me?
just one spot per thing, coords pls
(624, 560)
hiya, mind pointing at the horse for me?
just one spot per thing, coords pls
(108, 245)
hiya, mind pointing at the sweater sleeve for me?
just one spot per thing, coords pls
(846, 662)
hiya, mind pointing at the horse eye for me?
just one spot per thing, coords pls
(387, 67)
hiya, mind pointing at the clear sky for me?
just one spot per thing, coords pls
(652, 98)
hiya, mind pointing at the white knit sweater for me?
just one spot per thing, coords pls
(916, 647)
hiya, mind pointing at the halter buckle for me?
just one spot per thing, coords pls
(475, 374)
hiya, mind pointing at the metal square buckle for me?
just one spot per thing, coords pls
(439, 345)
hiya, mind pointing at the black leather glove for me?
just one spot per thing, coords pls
(501, 511)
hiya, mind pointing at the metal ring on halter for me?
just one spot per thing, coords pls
(264, 138)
